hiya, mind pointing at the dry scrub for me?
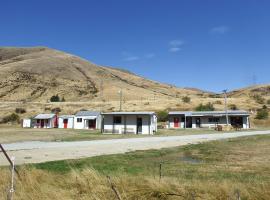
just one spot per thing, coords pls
(89, 184)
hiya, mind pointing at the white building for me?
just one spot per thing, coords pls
(66, 121)
(26, 123)
(129, 122)
(45, 121)
(208, 119)
(87, 120)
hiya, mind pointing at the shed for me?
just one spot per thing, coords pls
(66, 121)
(129, 122)
(87, 120)
(45, 121)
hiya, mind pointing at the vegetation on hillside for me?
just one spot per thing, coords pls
(205, 107)
(162, 115)
(262, 113)
(13, 118)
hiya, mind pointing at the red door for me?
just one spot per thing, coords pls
(65, 123)
(176, 122)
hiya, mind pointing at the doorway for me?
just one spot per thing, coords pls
(139, 125)
(65, 123)
(237, 122)
(198, 122)
(189, 122)
(92, 123)
(42, 123)
(176, 122)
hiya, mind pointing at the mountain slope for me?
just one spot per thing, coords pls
(35, 74)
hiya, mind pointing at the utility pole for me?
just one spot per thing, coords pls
(120, 99)
(226, 109)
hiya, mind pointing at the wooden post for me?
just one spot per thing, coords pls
(9, 160)
(160, 171)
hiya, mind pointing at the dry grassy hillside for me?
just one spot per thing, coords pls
(35, 74)
(30, 76)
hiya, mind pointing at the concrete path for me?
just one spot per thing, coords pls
(36, 152)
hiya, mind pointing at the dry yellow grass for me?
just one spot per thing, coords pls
(89, 184)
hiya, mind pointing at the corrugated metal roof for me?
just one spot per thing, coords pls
(44, 116)
(66, 116)
(209, 113)
(87, 113)
(129, 113)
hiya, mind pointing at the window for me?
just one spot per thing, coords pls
(213, 119)
(117, 119)
(79, 120)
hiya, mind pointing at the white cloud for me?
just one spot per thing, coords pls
(220, 30)
(150, 55)
(174, 49)
(129, 57)
(176, 45)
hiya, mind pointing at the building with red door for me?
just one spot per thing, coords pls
(87, 120)
(45, 121)
(66, 121)
(208, 119)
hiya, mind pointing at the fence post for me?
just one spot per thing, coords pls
(11, 191)
(160, 171)
(237, 192)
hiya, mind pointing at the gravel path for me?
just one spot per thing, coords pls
(36, 152)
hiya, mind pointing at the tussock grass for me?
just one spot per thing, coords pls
(226, 168)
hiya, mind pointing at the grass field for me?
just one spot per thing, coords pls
(213, 170)
(10, 134)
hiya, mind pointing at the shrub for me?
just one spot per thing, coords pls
(186, 99)
(218, 102)
(55, 98)
(11, 118)
(233, 107)
(162, 115)
(56, 110)
(268, 101)
(262, 113)
(207, 107)
(20, 110)
(259, 99)
(63, 99)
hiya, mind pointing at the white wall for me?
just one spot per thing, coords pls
(205, 123)
(131, 124)
(26, 123)
(61, 122)
(84, 123)
(46, 125)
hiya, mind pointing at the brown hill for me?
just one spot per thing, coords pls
(35, 74)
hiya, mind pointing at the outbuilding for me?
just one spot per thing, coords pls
(129, 122)
(45, 121)
(208, 119)
(66, 121)
(26, 123)
(87, 120)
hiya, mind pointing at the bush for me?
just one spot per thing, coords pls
(259, 99)
(262, 113)
(56, 110)
(268, 101)
(218, 102)
(186, 99)
(233, 107)
(162, 116)
(207, 107)
(63, 99)
(20, 110)
(11, 118)
(55, 98)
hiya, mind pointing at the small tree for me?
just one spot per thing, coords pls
(162, 115)
(55, 98)
(56, 110)
(186, 99)
(63, 99)
(233, 107)
(20, 110)
(262, 113)
(207, 107)
(11, 118)
(268, 101)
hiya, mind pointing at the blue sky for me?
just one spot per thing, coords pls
(207, 44)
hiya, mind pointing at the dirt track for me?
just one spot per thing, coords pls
(36, 152)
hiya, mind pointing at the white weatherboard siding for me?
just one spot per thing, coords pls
(70, 123)
(84, 124)
(26, 123)
(205, 121)
(129, 124)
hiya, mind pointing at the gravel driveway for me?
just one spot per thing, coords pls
(36, 152)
